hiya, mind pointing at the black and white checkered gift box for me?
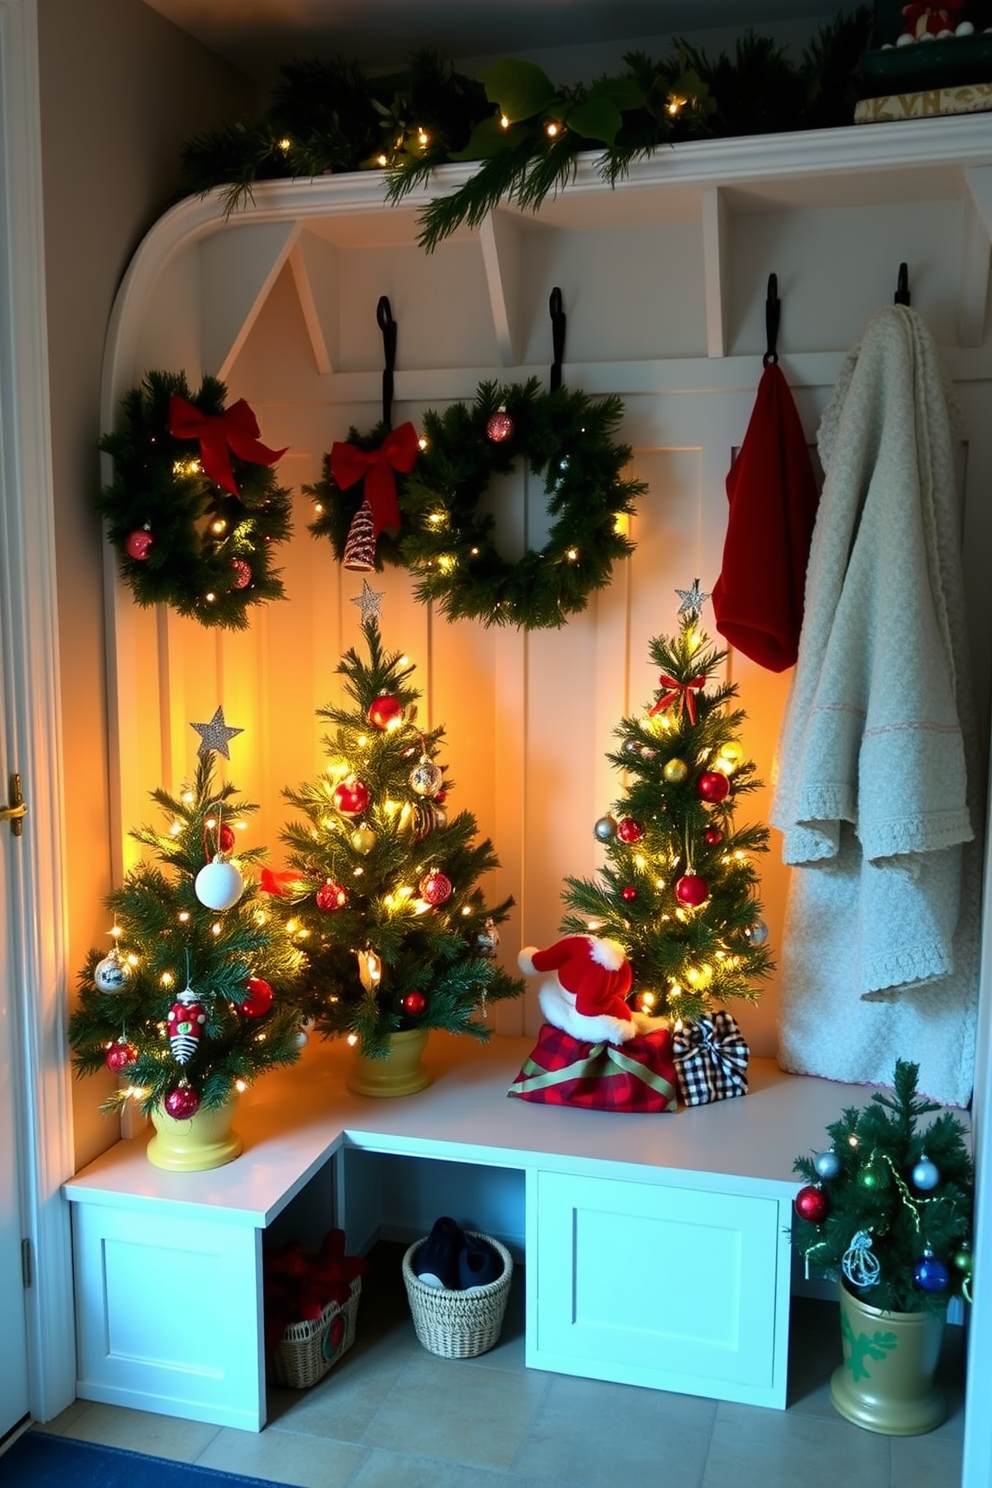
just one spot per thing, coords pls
(711, 1058)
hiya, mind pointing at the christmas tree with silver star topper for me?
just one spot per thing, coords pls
(200, 992)
(678, 889)
(382, 895)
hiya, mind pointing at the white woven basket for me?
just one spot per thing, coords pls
(458, 1325)
(307, 1351)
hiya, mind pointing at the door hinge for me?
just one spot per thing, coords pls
(16, 811)
(26, 1267)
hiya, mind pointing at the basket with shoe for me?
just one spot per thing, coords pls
(311, 1308)
(457, 1282)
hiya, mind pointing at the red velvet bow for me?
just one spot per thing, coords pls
(349, 464)
(221, 435)
(277, 883)
(682, 693)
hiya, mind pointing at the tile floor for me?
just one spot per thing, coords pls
(392, 1415)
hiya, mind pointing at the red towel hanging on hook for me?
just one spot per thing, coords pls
(772, 490)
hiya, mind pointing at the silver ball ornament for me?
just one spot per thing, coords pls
(757, 933)
(426, 778)
(827, 1164)
(925, 1175)
(605, 829)
(112, 974)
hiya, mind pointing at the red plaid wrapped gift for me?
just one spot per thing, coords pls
(710, 1059)
(565, 1071)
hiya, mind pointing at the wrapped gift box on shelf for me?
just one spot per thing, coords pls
(711, 1058)
(637, 1075)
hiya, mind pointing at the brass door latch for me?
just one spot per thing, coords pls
(16, 811)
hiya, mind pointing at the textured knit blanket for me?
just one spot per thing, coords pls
(877, 758)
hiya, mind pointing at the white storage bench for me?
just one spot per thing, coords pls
(656, 1245)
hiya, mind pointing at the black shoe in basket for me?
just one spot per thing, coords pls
(436, 1261)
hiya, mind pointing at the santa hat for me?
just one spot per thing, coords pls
(595, 971)
(771, 487)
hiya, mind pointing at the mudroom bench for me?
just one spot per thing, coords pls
(656, 1246)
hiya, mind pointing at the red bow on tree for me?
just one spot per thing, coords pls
(682, 693)
(221, 435)
(349, 464)
(278, 884)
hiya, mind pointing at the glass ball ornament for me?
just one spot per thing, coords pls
(259, 1000)
(241, 573)
(628, 893)
(435, 888)
(963, 1261)
(487, 940)
(605, 829)
(385, 712)
(120, 1055)
(219, 885)
(225, 838)
(713, 836)
(648, 752)
(692, 891)
(331, 896)
(674, 771)
(426, 778)
(182, 1103)
(632, 746)
(925, 1175)
(931, 1274)
(629, 830)
(756, 933)
(873, 1177)
(139, 544)
(827, 1164)
(712, 787)
(413, 1003)
(812, 1204)
(363, 840)
(112, 974)
(351, 796)
(499, 426)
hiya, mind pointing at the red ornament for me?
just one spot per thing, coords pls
(351, 797)
(812, 1203)
(120, 1055)
(259, 999)
(182, 1103)
(712, 836)
(435, 887)
(225, 838)
(628, 893)
(629, 830)
(242, 573)
(139, 544)
(692, 890)
(331, 896)
(186, 1020)
(414, 1003)
(386, 712)
(499, 427)
(712, 786)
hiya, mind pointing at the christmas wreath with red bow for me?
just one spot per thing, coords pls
(194, 509)
(391, 497)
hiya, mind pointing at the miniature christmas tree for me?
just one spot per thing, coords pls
(396, 932)
(678, 890)
(200, 992)
(888, 1206)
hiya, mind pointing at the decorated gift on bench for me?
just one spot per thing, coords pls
(590, 1051)
(711, 1058)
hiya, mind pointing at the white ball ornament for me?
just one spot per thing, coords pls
(925, 1175)
(112, 974)
(219, 885)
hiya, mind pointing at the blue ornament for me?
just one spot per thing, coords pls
(925, 1175)
(827, 1164)
(930, 1274)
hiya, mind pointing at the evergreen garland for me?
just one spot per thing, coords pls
(384, 901)
(328, 117)
(447, 540)
(868, 1183)
(207, 553)
(166, 941)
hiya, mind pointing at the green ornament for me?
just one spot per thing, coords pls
(963, 1260)
(873, 1176)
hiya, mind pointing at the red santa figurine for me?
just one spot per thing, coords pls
(586, 981)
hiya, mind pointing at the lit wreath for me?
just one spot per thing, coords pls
(447, 540)
(194, 510)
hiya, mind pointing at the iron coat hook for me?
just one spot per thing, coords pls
(773, 312)
(902, 286)
(387, 325)
(557, 337)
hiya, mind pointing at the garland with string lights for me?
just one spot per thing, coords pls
(193, 508)
(887, 1207)
(448, 537)
(525, 132)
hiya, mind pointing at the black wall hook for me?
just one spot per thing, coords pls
(557, 337)
(773, 313)
(387, 325)
(902, 287)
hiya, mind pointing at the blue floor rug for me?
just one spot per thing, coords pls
(41, 1460)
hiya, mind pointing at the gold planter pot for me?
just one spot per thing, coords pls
(399, 1073)
(887, 1380)
(204, 1140)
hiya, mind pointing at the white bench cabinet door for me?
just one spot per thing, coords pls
(671, 1287)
